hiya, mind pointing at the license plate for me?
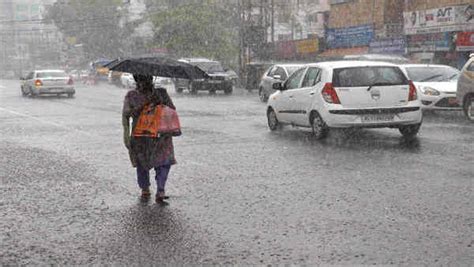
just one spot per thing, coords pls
(452, 101)
(211, 81)
(377, 118)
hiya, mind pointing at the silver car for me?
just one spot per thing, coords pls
(465, 92)
(274, 74)
(47, 82)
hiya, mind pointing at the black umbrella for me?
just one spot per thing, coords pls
(159, 66)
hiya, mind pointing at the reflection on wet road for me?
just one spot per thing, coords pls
(240, 194)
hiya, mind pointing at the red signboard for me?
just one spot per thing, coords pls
(465, 41)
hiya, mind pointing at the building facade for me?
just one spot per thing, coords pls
(365, 26)
(439, 31)
(26, 39)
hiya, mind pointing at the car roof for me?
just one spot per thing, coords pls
(351, 63)
(49, 71)
(426, 65)
(197, 59)
(289, 65)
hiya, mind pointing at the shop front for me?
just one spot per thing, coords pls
(464, 46)
(433, 34)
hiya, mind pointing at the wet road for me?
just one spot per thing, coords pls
(240, 194)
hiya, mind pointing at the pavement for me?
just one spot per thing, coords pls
(239, 194)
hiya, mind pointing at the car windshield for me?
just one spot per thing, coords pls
(51, 74)
(432, 74)
(210, 67)
(292, 69)
(368, 76)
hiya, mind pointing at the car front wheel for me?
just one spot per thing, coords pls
(319, 127)
(409, 131)
(273, 123)
(469, 108)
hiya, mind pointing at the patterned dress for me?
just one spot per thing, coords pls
(146, 151)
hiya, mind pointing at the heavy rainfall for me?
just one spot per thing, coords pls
(239, 132)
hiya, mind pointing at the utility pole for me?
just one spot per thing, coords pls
(273, 22)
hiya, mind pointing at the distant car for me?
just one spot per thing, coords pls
(436, 84)
(163, 82)
(219, 79)
(344, 94)
(47, 82)
(127, 80)
(465, 92)
(114, 77)
(276, 73)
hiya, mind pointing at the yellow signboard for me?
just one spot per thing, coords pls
(307, 46)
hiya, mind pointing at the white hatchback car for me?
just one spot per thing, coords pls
(344, 94)
(436, 84)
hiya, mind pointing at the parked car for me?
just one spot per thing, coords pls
(219, 79)
(127, 80)
(114, 77)
(465, 88)
(436, 85)
(344, 94)
(276, 73)
(163, 82)
(42, 82)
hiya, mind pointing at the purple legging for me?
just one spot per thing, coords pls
(143, 177)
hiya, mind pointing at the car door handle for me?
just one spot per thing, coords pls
(290, 96)
(311, 93)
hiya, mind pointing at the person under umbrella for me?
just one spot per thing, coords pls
(145, 152)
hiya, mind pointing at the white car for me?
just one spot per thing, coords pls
(47, 82)
(436, 85)
(127, 80)
(163, 82)
(276, 73)
(344, 94)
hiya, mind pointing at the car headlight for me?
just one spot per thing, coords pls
(429, 91)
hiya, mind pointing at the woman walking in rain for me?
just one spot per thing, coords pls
(147, 152)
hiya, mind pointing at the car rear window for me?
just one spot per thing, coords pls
(367, 76)
(52, 74)
(432, 74)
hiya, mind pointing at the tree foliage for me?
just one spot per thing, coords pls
(198, 30)
(96, 24)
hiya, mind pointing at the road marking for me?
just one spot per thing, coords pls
(44, 121)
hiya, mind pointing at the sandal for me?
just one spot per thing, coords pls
(161, 196)
(146, 193)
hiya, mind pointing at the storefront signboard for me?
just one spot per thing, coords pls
(349, 37)
(388, 46)
(307, 46)
(429, 42)
(445, 19)
(465, 41)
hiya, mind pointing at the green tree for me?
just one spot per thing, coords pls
(198, 30)
(96, 24)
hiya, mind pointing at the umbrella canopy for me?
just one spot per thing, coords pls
(159, 66)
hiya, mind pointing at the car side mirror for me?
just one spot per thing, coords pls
(277, 86)
(277, 77)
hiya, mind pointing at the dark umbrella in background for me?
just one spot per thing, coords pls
(158, 66)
